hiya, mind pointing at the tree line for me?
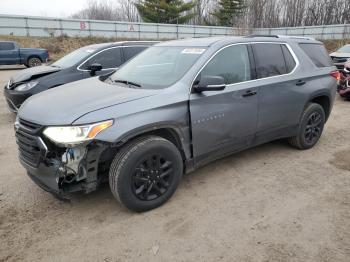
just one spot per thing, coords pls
(236, 13)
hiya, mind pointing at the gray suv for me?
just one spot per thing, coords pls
(173, 108)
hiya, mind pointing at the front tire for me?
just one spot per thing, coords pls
(310, 127)
(145, 173)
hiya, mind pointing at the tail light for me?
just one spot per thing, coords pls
(336, 75)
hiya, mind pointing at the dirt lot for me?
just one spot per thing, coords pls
(271, 203)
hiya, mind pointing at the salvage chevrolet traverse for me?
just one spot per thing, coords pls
(173, 108)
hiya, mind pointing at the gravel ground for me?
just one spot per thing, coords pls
(270, 203)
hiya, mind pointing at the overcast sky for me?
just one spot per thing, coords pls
(55, 8)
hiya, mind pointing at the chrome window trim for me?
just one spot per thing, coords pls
(104, 69)
(296, 60)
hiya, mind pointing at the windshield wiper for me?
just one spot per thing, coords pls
(126, 82)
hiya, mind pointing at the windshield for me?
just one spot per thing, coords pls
(158, 67)
(73, 58)
(344, 49)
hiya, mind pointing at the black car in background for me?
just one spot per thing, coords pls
(82, 63)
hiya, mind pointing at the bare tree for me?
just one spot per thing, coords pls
(121, 10)
(278, 13)
(129, 10)
(258, 13)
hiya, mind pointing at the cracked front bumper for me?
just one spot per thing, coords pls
(44, 177)
(46, 166)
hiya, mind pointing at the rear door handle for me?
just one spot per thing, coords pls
(300, 83)
(249, 93)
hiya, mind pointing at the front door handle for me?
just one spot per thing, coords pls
(249, 93)
(300, 83)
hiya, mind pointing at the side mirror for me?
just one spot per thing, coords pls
(210, 83)
(95, 68)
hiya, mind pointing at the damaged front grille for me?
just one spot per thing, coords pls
(30, 145)
(32, 128)
(28, 148)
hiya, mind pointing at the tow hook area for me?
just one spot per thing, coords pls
(77, 168)
(71, 166)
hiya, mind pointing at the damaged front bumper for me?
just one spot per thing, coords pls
(15, 99)
(59, 170)
(344, 89)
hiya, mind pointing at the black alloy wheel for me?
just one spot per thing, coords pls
(310, 127)
(152, 177)
(313, 128)
(145, 173)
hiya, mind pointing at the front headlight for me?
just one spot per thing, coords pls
(72, 135)
(26, 86)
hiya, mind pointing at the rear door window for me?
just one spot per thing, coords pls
(131, 51)
(318, 54)
(269, 60)
(109, 58)
(231, 63)
(7, 46)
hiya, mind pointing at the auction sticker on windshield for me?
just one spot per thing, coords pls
(196, 51)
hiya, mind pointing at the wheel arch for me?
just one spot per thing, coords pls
(170, 133)
(324, 101)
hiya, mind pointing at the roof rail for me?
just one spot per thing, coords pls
(255, 35)
(281, 36)
(296, 37)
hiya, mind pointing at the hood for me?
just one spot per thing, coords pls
(336, 54)
(33, 72)
(64, 104)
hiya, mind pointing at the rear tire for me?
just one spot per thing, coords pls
(33, 61)
(310, 127)
(145, 173)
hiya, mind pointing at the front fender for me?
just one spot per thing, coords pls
(178, 133)
(171, 126)
(165, 110)
(137, 118)
(127, 127)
